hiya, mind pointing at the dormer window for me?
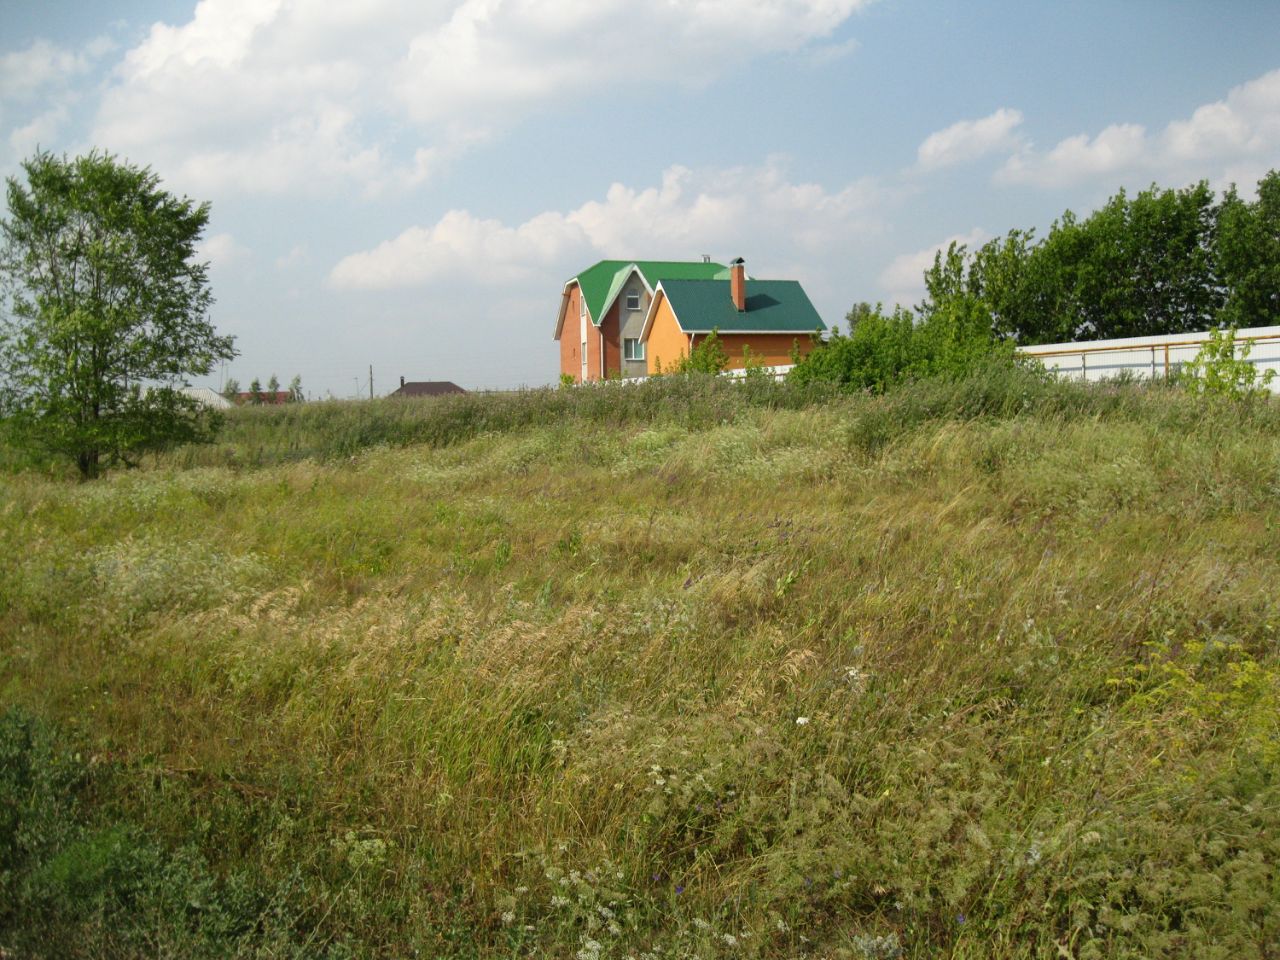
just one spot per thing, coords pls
(633, 301)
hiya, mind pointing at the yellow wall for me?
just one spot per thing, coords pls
(667, 344)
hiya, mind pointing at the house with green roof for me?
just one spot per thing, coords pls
(634, 318)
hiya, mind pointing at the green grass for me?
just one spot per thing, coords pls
(488, 676)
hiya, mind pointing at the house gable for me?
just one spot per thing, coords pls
(665, 343)
(600, 284)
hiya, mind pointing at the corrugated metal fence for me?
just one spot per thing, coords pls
(1151, 356)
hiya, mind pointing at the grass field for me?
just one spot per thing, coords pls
(968, 670)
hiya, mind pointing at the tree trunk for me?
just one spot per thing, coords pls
(87, 461)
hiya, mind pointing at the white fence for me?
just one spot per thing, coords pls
(1151, 356)
(778, 372)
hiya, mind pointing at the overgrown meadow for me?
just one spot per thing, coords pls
(685, 669)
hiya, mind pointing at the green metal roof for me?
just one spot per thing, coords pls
(773, 306)
(602, 282)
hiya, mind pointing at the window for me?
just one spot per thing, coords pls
(582, 305)
(633, 301)
(632, 349)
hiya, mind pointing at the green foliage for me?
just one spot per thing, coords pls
(1248, 251)
(1220, 370)
(107, 312)
(753, 367)
(255, 391)
(707, 356)
(951, 341)
(295, 390)
(73, 888)
(232, 389)
(567, 380)
(1159, 262)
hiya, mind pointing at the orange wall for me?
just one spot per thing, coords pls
(771, 349)
(667, 343)
(571, 341)
(570, 362)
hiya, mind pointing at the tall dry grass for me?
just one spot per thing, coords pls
(969, 670)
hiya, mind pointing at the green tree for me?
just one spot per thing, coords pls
(273, 387)
(232, 389)
(255, 391)
(295, 389)
(1249, 255)
(1141, 265)
(105, 312)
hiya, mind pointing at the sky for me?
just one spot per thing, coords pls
(407, 185)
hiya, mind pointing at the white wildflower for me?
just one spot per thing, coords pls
(801, 721)
(559, 901)
(729, 939)
(701, 924)
(508, 918)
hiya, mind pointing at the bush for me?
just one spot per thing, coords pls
(1218, 372)
(882, 350)
(707, 356)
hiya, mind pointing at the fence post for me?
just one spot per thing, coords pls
(1084, 366)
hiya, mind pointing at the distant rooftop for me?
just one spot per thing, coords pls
(426, 388)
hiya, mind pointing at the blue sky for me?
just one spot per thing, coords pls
(408, 184)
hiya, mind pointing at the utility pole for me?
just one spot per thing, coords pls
(371, 381)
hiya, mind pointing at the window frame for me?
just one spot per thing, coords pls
(636, 295)
(637, 349)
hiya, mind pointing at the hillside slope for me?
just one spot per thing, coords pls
(946, 673)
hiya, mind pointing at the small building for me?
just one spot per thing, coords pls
(270, 398)
(426, 388)
(643, 317)
(206, 397)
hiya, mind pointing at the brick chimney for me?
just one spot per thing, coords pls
(738, 284)
(402, 383)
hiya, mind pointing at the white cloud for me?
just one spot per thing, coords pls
(1236, 138)
(970, 139)
(1119, 147)
(37, 92)
(221, 249)
(509, 52)
(296, 257)
(43, 66)
(38, 132)
(689, 213)
(903, 278)
(274, 95)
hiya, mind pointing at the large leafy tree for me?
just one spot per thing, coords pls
(1249, 255)
(105, 311)
(1158, 262)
